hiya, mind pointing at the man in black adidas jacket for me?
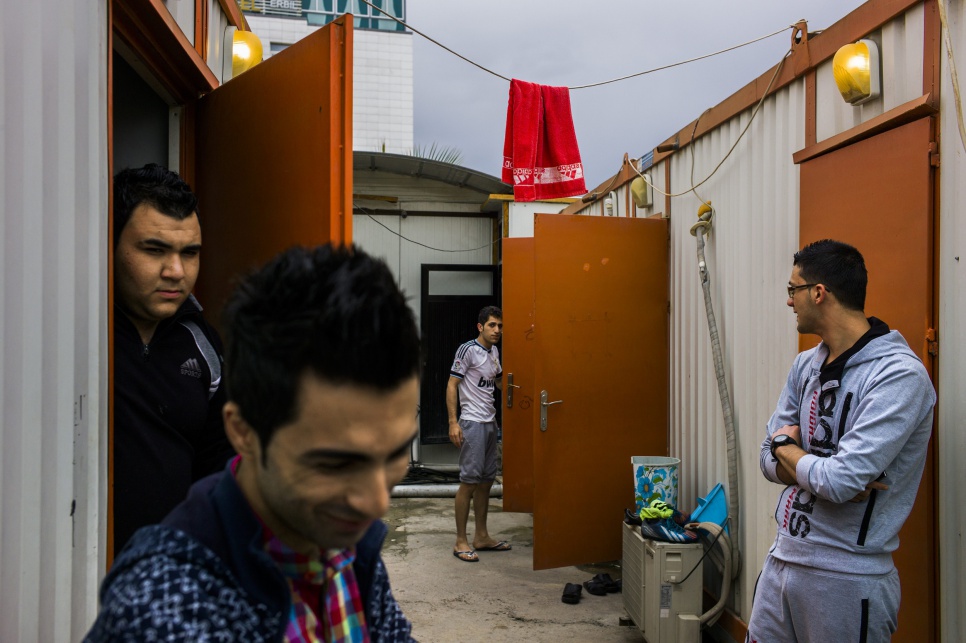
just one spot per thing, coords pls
(168, 429)
(322, 373)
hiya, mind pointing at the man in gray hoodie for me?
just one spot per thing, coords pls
(848, 442)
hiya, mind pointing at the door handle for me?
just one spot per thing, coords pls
(509, 390)
(543, 409)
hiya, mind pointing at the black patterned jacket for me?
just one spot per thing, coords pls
(203, 575)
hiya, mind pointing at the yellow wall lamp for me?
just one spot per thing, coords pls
(242, 51)
(856, 71)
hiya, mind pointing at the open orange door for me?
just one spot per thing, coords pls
(877, 195)
(273, 159)
(517, 356)
(601, 328)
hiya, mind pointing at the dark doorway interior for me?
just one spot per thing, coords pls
(141, 130)
(452, 296)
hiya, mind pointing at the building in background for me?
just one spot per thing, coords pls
(382, 91)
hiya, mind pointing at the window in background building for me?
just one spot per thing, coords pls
(322, 12)
(276, 47)
(280, 8)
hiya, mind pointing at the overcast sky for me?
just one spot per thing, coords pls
(571, 42)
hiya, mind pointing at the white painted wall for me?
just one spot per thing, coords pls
(53, 322)
(382, 92)
(749, 251)
(521, 215)
(451, 240)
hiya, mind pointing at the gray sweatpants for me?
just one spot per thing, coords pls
(796, 604)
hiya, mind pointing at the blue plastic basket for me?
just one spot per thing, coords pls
(712, 508)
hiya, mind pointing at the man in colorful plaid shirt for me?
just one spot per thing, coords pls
(284, 544)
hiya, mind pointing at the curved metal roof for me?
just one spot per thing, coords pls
(425, 168)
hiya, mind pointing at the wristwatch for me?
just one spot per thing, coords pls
(781, 441)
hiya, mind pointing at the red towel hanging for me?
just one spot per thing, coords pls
(540, 154)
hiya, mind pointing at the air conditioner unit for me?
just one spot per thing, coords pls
(662, 587)
(632, 574)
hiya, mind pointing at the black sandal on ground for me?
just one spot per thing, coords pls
(571, 593)
(595, 587)
(610, 585)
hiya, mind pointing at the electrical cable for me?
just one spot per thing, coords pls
(754, 113)
(413, 241)
(709, 617)
(590, 197)
(954, 78)
(683, 62)
(694, 131)
(728, 574)
(706, 552)
(605, 82)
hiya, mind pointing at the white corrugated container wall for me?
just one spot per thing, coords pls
(951, 407)
(53, 253)
(217, 25)
(748, 254)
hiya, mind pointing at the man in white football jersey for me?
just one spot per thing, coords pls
(475, 371)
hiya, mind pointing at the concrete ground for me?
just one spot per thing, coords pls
(497, 599)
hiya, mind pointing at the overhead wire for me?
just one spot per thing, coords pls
(754, 113)
(597, 84)
(682, 62)
(418, 243)
(621, 78)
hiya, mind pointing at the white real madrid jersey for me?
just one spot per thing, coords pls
(478, 369)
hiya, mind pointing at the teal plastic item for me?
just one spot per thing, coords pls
(712, 508)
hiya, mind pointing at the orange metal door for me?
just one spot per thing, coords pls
(517, 356)
(273, 159)
(601, 327)
(877, 195)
